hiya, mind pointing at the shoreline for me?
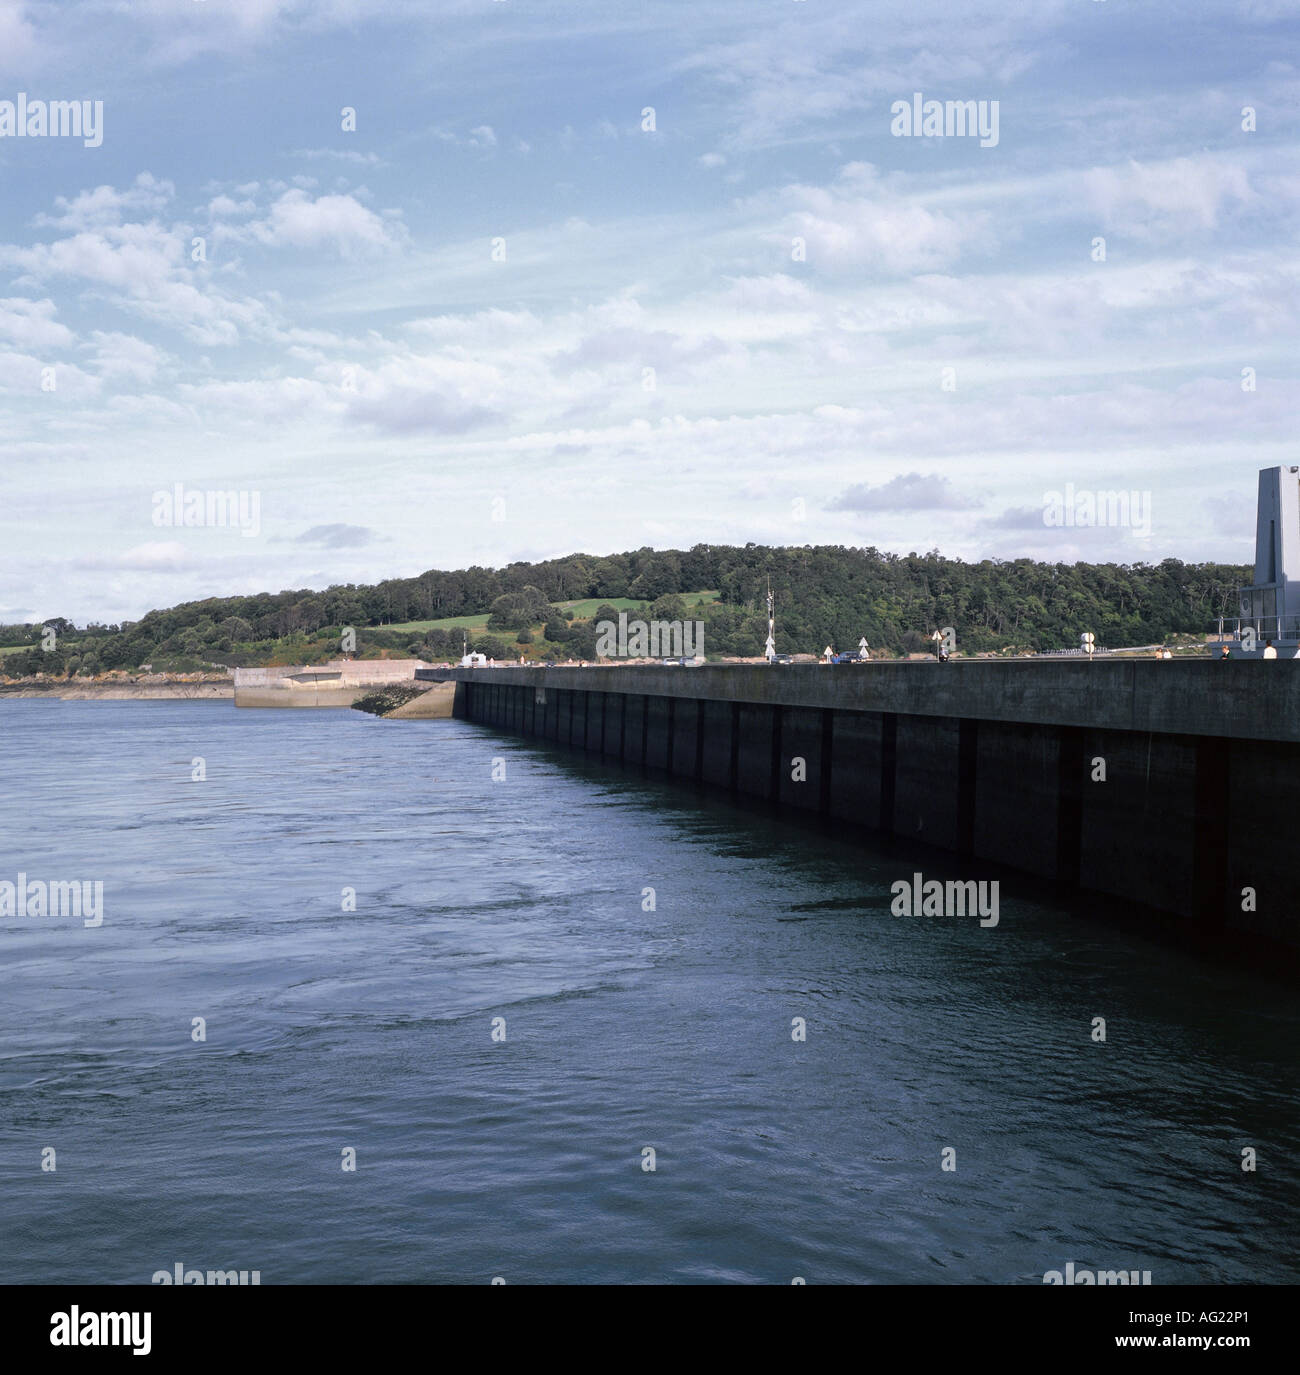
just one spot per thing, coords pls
(73, 691)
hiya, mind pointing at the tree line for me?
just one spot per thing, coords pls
(825, 594)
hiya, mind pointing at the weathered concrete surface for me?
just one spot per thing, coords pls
(335, 684)
(926, 787)
(1241, 699)
(857, 767)
(434, 705)
(1016, 803)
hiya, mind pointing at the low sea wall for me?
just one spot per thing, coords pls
(335, 684)
(74, 690)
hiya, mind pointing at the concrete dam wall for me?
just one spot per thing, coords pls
(1171, 785)
(335, 684)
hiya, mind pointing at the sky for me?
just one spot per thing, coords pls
(477, 281)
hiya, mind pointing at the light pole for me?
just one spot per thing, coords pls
(769, 649)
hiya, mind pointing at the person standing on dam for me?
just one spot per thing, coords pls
(1269, 651)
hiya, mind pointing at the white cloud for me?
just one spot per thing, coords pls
(1145, 200)
(257, 401)
(159, 556)
(106, 205)
(124, 358)
(22, 374)
(861, 223)
(31, 324)
(17, 36)
(147, 271)
(426, 393)
(906, 492)
(339, 222)
(807, 68)
(224, 205)
(341, 155)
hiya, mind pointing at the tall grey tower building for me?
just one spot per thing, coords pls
(1270, 604)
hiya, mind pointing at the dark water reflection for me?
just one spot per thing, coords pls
(625, 1028)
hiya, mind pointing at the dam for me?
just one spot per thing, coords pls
(337, 683)
(1165, 785)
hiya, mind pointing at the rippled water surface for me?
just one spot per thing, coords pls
(525, 899)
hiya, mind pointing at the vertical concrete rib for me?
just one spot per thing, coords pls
(733, 771)
(774, 783)
(967, 757)
(1069, 803)
(828, 748)
(1210, 843)
(888, 768)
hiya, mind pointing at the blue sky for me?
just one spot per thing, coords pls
(349, 349)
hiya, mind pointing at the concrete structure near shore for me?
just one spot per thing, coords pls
(437, 703)
(1269, 610)
(1169, 785)
(336, 684)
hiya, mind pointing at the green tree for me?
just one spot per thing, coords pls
(582, 643)
(519, 610)
(669, 607)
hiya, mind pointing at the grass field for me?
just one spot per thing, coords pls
(585, 609)
(12, 649)
(476, 623)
